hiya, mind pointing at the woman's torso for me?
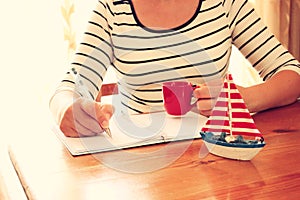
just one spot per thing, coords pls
(145, 55)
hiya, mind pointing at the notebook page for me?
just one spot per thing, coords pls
(127, 131)
(137, 130)
(180, 127)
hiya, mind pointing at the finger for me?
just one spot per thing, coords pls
(202, 92)
(108, 109)
(105, 123)
(84, 131)
(205, 104)
(71, 127)
(104, 113)
(67, 124)
(86, 116)
(206, 113)
(206, 92)
(68, 131)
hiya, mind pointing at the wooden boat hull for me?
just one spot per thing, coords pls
(232, 150)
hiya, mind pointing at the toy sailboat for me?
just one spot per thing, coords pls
(230, 131)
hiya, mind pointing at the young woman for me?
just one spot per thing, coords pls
(148, 42)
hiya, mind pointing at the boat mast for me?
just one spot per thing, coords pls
(229, 107)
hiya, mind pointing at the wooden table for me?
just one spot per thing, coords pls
(47, 170)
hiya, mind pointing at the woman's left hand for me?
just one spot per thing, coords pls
(207, 95)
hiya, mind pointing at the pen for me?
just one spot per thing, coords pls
(83, 90)
(108, 132)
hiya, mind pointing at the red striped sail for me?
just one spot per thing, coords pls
(230, 113)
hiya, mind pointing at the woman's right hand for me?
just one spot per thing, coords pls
(85, 118)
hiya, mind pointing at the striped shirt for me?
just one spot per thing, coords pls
(196, 51)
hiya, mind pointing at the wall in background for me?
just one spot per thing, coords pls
(33, 60)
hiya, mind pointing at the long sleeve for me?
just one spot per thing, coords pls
(94, 54)
(195, 51)
(91, 60)
(256, 42)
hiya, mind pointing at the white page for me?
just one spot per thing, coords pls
(137, 130)
(181, 127)
(122, 137)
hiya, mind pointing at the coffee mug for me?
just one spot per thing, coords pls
(177, 96)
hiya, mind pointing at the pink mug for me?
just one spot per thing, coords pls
(177, 97)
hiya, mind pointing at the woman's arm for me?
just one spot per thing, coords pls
(278, 68)
(282, 89)
(76, 115)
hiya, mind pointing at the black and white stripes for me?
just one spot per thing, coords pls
(196, 51)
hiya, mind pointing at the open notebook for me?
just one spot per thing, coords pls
(137, 130)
